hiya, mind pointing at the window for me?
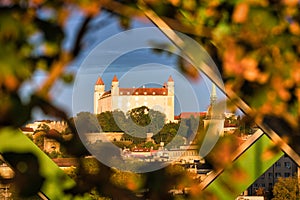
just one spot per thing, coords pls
(270, 175)
(277, 174)
(287, 165)
(277, 164)
(287, 174)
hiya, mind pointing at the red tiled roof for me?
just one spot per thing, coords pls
(227, 124)
(66, 162)
(105, 94)
(143, 91)
(99, 81)
(115, 79)
(52, 133)
(185, 115)
(177, 117)
(27, 129)
(170, 79)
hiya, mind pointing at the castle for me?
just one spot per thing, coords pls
(125, 99)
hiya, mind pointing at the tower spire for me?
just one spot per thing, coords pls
(99, 81)
(213, 95)
(115, 79)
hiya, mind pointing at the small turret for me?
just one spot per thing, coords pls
(99, 89)
(213, 95)
(115, 86)
(170, 85)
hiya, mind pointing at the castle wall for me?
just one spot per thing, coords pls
(164, 104)
(104, 104)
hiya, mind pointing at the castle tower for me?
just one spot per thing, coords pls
(115, 86)
(98, 91)
(170, 99)
(170, 85)
(115, 100)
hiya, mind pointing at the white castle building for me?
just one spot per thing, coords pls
(125, 99)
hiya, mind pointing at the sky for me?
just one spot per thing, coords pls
(130, 55)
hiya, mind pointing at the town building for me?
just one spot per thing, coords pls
(125, 99)
(60, 126)
(284, 167)
(92, 138)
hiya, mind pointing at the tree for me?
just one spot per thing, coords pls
(167, 133)
(43, 127)
(38, 139)
(139, 116)
(107, 121)
(142, 120)
(286, 188)
(86, 123)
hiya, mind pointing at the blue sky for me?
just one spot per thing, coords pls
(140, 65)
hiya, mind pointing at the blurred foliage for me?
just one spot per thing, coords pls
(255, 44)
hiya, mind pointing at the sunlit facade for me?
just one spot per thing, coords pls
(125, 99)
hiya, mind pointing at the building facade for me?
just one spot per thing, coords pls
(125, 99)
(284, 167)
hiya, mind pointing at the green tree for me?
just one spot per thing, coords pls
(140, 116)
(107, 121)
(43, 127)
(142, 120)
(286, 188)
(86, 123)
(38, 139)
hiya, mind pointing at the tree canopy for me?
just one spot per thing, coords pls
(286, 188)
